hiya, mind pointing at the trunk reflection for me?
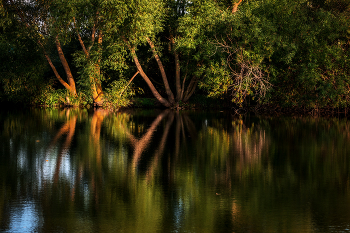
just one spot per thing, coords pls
(177, 171)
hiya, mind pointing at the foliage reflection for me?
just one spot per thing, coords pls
(173, 171)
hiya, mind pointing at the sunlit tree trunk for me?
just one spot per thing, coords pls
(96, 87)
(64, 83)
(148, 81)
(31, 24)
(64, 62)
(162, 71)
(98, 71)
(235, 6)
(95, 83)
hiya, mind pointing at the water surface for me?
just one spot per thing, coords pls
(163, 171)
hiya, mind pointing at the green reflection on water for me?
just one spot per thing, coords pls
(147, 171)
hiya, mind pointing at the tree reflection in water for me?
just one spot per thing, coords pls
(174, 171)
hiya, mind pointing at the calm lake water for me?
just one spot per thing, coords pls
(164, 171)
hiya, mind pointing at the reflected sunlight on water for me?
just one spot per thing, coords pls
(24, 216)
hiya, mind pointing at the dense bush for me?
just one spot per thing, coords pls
(295, 52)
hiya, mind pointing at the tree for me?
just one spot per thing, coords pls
(298, 48)
(63, 22)
(164, 28)
(21, 63)
(36, 20)
(93, 23)
(183, 41)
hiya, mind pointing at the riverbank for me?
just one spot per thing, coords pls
(204, 103)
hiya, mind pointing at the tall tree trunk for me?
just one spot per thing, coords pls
(66, 66)
(98, 85)
(177, 71)
(71, 84)
(66, 85)
(95, 83)
(148, 81)
(93, 90)
(162, 71)
(190, 88)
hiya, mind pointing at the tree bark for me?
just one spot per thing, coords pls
(121, 94)
(66, 67)
(162, 71)
(177, 71)
(235, 6)
(71, 84)
(148, 81)
(81, 40)
(95, 83)
(190, 89)
(98, 67)
(66, 85)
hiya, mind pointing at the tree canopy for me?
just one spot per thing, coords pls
(251, 51)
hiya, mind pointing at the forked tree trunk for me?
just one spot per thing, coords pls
(148, 81)
(162, 71)
(190, 88)
(95, 83)
(71, 84)
(181, 94)
(66, 85)
(64, 62)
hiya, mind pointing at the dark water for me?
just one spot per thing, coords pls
(162, 171)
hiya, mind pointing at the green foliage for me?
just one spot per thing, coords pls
(217, 80)
(119, 94)
(22, 67)
(225, 44)
(50, 97)
(281, 52)
(245, 171)
(310, 60)
(301, 50)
